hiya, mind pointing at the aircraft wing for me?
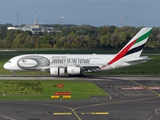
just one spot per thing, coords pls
(90, 68)
(85, 68)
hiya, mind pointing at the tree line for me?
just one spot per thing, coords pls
(73, 36)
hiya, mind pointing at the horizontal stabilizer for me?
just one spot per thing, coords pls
(137, 60)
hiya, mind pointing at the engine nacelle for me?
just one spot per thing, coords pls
(61, 71)
(57, 71)
(73, 70)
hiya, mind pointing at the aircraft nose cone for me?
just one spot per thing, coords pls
(5, 66)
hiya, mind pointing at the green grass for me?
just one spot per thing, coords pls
(44, 89)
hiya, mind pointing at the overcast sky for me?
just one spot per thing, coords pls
(92, 12)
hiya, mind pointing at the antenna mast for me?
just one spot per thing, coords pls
(121, 19)
(17, 19)
(35, 19)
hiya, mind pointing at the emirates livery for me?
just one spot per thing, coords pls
(77, 64)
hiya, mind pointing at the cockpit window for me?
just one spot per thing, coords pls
(9, 61)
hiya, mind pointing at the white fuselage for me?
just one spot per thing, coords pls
(52, 62)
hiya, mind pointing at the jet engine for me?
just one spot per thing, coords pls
(73, 70)
(57, 71)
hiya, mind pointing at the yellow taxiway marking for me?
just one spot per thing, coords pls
(99, 113)
(95, 113)
(102, 113)
(75, 113)
(145, 88)
(62, 113)
(92, 113)
(73, 110)
(82, 113)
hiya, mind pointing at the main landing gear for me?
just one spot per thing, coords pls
(78, 75)
(13, 74)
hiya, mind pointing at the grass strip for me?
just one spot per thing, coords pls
(23, 89)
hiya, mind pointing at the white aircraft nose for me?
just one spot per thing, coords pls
(6, 66)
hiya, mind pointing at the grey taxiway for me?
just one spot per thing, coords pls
(123, 102)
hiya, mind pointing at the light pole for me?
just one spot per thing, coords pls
(61, 20)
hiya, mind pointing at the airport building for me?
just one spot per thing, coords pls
(34, 28)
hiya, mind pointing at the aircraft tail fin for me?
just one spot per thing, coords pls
(135, 46)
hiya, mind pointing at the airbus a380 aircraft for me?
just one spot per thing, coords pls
(75, 64)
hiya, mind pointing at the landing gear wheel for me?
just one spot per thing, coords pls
(70, 75)
(13, 74)
(83, 75)
(78, 75)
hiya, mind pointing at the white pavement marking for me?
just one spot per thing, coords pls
(7, 117)
(109, 96)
